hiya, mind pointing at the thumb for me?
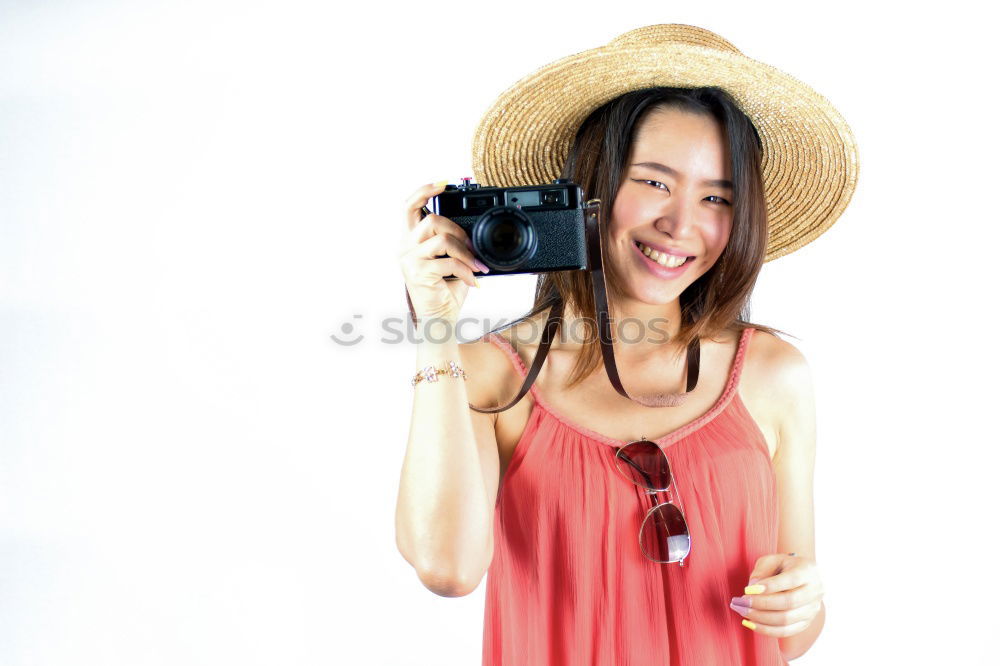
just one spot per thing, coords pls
(767, 565)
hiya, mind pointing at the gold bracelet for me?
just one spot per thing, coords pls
(430, 373)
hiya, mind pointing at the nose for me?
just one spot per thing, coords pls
(677, 219)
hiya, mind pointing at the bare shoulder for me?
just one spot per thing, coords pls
(780, 384)
(777, 366)
(489, 372)
(775, 352)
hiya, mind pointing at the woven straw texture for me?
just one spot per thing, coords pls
(810, 157)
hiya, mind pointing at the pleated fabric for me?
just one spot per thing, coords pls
(568, 584)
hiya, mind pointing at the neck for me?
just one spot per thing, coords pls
(639, 330)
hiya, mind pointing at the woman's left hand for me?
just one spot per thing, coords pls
(783, 596)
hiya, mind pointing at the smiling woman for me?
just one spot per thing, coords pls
(555, 498)
(641, 154)
(688, 218)
(702, 200)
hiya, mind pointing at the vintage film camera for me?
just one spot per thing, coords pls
(525, 229)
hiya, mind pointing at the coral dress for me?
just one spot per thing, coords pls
(568, 584)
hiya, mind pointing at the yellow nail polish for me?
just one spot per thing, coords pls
(749, 625)
(475, 280)
(756, 588)
(441, 183)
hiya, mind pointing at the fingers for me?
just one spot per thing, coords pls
(795, 585)
(452, 266)
(419, 198)
(784, 600)
(786, 580)
(421, 271)
(766, 566)
(437, 236)
(435, 246)
(780, 623)
(439, 256)
(437, 224)
(450, 245)
(784, 596)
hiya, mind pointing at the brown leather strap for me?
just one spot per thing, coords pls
(596, 264)
(551, 326)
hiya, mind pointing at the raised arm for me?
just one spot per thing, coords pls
(450, 474)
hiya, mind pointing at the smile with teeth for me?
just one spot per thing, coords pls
(668, 260)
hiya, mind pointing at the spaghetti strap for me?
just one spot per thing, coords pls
(519, 365)
(741, 352)
(508, 349)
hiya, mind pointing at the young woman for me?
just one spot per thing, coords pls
(557, 496)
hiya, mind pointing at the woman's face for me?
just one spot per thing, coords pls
(676, 210)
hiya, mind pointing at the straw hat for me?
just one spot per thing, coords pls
(810, 159)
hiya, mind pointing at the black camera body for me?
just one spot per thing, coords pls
(524, 229)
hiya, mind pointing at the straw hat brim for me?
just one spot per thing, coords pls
(810, 157)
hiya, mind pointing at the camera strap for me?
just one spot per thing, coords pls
(595, 265)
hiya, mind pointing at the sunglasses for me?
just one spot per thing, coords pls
(664, 536)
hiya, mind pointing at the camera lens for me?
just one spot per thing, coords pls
(505, 237)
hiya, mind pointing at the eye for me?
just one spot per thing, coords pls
(656, 182)
(720, 200)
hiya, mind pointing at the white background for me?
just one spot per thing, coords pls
(195, 195)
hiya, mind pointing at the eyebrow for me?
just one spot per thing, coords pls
(656, 166)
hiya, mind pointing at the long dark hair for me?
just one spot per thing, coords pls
(718, 300)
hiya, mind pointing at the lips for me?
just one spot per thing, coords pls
(638, 245)
(659, 270)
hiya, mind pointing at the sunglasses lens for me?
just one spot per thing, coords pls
(664, 535)
(645, 464)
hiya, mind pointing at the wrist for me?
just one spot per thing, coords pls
(433, 372)
(436, 329)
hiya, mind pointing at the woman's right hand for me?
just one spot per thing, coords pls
(433, 247)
